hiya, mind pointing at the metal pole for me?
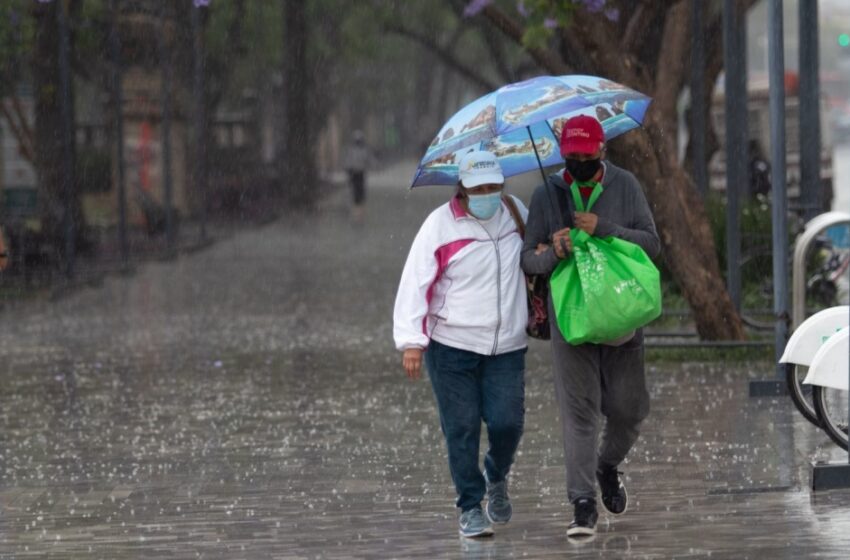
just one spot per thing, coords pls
(536, 154)
(776, 67)
(200, 119)
(809, 110)
(165, 62)
(698, 125)
(67, 137)
(734, 151)
(742, 93)
(561, 224)
(118, 125)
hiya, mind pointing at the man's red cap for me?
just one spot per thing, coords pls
(581, 134)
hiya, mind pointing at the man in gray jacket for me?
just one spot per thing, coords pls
(592, 380)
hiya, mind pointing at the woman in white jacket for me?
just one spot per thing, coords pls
(461, 301)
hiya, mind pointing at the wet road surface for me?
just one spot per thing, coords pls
(246, 402)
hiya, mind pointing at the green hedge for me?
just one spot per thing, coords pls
(756, 249)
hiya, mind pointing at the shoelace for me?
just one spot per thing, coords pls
(472, 516)
(498, 495)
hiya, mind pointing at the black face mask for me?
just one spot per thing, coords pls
(582, 170)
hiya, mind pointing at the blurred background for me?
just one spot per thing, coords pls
(196, 337)
(130, 127)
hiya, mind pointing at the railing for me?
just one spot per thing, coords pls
(814, 228)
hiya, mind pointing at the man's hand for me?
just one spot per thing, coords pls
(586, 221)
(562, 243)
(412, 362)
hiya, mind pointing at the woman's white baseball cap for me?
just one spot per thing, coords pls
(479, 168)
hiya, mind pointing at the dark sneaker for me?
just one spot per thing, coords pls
(473, 524)
(615, 500)
(584, 518)
(499, 508)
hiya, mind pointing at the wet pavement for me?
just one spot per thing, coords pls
(246, 402)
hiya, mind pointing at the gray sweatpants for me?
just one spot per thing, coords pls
(591, 381)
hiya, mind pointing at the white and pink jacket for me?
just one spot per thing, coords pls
(461, 286)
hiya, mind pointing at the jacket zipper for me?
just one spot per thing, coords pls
(498, 296)
(498, 290)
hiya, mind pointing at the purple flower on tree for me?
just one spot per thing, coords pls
(202, 3)
(593, 5)
(522, 9)
(612, 14)
(474, 7)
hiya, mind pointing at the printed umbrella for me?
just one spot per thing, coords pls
(521, 124)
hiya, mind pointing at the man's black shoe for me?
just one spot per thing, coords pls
(615, 500)
(584, 518)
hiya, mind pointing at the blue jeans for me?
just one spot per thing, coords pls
(471, 387)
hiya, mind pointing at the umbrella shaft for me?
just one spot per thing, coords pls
(536, 154)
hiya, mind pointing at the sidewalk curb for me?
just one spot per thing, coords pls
(98, 276)
(93, 273)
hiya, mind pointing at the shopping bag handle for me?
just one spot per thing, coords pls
(594, 196)
(579, 237)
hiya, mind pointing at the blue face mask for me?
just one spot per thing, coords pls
(484, 206)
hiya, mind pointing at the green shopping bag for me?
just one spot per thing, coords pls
(606, 288)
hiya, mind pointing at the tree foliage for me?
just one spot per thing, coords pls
(644, 45)
(374, 62)
(17, 32)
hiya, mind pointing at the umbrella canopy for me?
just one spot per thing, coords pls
(508, 120)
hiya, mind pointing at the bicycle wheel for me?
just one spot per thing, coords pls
(831, 408)
(801, 395)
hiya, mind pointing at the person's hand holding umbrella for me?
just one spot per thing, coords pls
(562, 243)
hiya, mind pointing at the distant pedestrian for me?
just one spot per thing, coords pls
(592, 380)
(759, 170)
(4, 252)
(357, 161)
(462, 297)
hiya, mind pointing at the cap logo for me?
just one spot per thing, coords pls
(577, 132)
(480, 165)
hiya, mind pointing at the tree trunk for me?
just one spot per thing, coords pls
(682, 222)
(686, 238)
(651, 155)
(18, 125)
(299, 175)
(48, 129)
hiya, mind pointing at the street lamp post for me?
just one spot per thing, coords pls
(200, 114)
(810, 134)
(735, 93)
(165, 63)
(118, 125)
(776, 62)
(69, 218)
